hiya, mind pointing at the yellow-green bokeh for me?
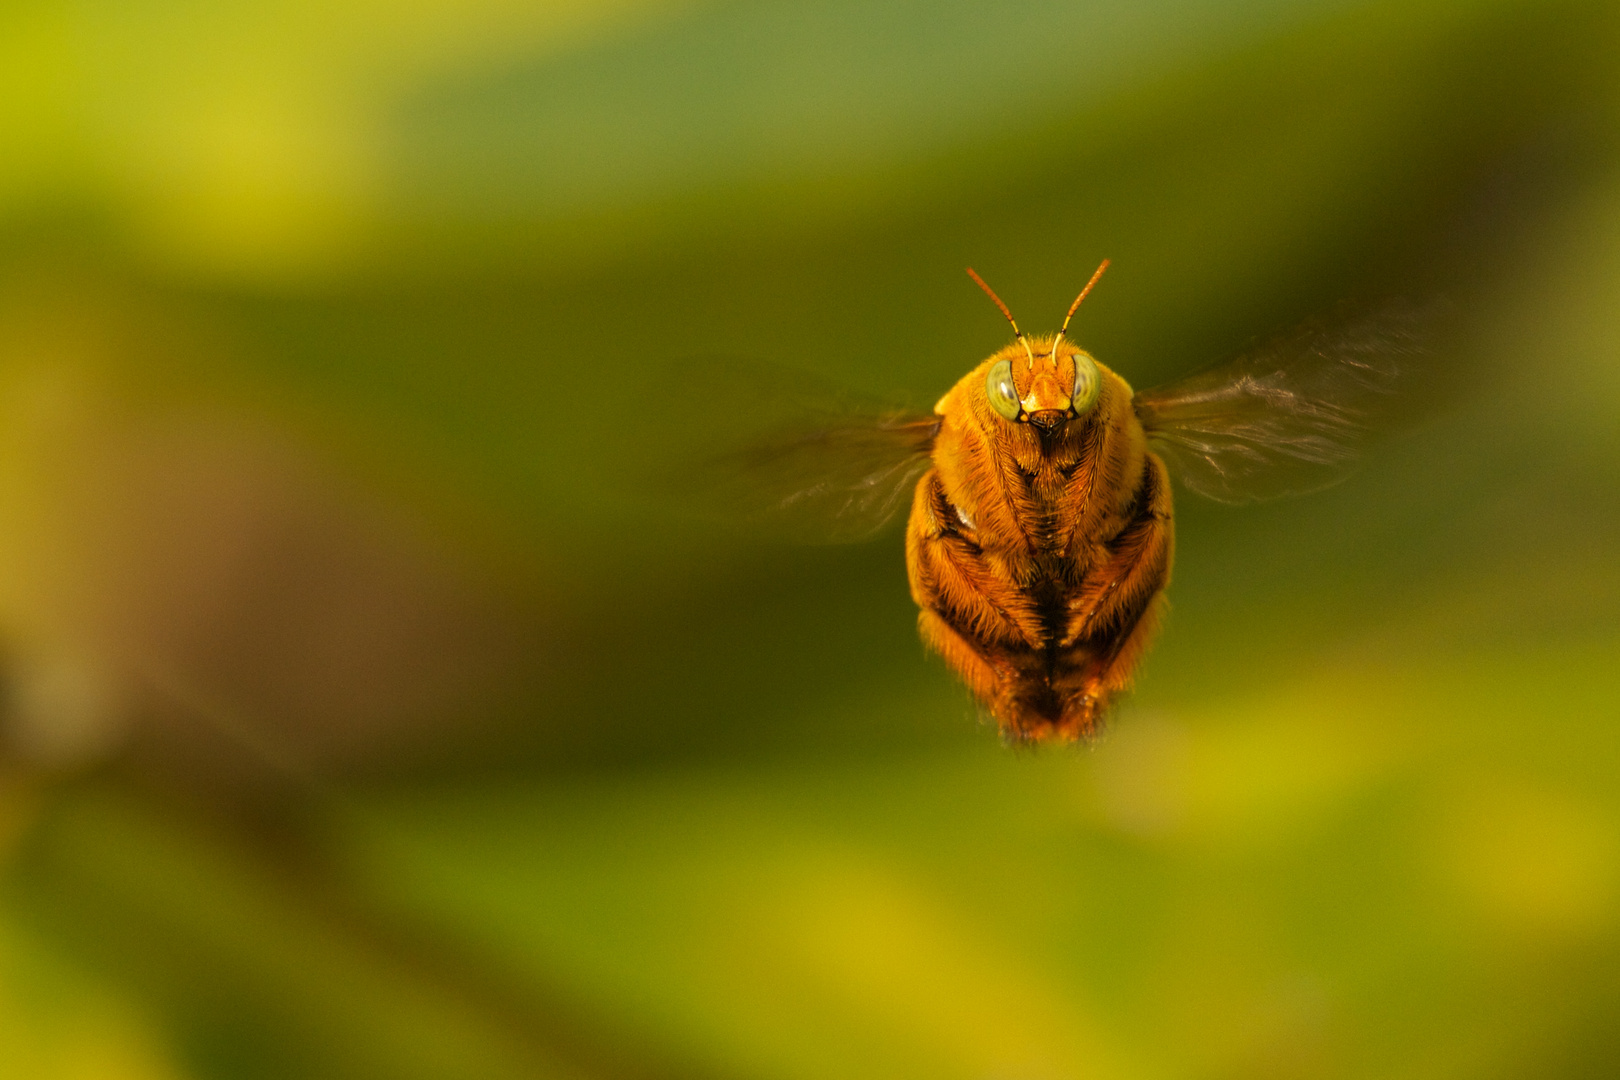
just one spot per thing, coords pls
(367, 714)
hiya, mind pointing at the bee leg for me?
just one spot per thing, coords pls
(1117, 610)
(1117, 675)
(1117, 592)
(1082, 716)
(1110, 673)
(980, 674)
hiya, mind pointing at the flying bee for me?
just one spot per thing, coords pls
(1041, 531)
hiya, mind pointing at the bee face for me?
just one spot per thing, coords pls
(1060, 383)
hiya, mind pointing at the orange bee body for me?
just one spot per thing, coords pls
(1038, 551)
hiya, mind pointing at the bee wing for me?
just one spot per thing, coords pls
(833, 482)
(786, 453)
(1289, 416)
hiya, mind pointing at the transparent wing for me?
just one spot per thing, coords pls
(794, 456)
(1289, 416)
(834, 482)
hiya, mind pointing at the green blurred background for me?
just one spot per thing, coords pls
(365, 716)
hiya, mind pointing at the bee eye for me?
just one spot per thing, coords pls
(1087, 383)
(998, 387)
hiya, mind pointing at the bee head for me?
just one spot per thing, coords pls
(1061, 382)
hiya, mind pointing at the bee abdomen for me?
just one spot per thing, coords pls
(1044, 640)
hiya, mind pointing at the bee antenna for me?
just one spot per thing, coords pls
(1076, 305)
(1017, 333)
